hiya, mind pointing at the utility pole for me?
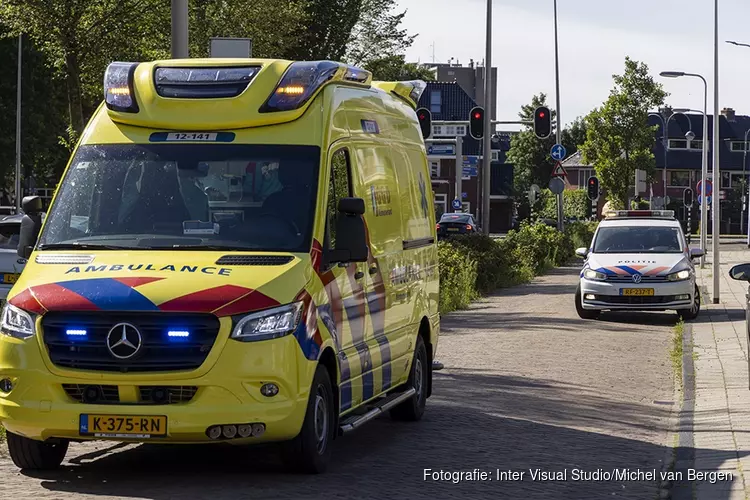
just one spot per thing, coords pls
(488, 107)
(179, 29)
(18, 126)
(716, 170)
(560, 211)
(459, 171)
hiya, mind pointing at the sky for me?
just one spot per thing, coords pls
(594, 38)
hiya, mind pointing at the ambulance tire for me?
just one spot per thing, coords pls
(310, 451)
(413, 409)
(584, 313)
(35, 455)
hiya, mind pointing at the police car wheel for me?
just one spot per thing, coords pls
(310, 451)
(692, 313)
(413, 409)
(35, 455)
(584, 313)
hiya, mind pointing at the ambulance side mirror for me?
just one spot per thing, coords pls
(31, 224)
(351, 240)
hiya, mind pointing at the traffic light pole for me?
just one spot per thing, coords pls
(560, 211)
(488, 106)
(459, 172)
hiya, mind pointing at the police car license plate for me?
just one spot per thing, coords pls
(10, 278)
(636, 291)
(123, 426)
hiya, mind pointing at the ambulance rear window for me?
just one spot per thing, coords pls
(242, 197)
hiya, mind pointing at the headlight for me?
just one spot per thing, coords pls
(268, 324)
(16, 322)
(679, 275)
(594, 275)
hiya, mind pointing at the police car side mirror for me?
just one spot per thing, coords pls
(740, 272)
(351, 240)
(582, 252)
(696, 252)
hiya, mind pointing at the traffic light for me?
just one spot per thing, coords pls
(425, 122)
(687, 197)
(476, 122)
(542, 122)
(593, 188)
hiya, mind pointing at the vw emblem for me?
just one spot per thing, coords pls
(637, 278)
(124, 341)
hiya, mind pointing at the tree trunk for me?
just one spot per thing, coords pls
(73, 81)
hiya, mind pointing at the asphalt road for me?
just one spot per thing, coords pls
(526, 385)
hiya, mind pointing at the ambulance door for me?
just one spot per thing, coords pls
(345, 287)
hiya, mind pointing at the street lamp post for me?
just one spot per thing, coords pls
(18, 127)
(488, 106)
(560, 198)
(746, 194)
(716, 166)
(704, 161)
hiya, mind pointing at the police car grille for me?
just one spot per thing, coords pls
(635, 299)
(158, 351)
(644, 279)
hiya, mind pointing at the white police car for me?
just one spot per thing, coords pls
(638, 260)
(11, 265)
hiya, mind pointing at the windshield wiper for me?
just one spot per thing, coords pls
(83, 246)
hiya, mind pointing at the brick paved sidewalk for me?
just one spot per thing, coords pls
(721, 417)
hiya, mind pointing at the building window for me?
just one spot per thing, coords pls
(739, 146)
(726, 180)
(679, 178)
(435, 169)
(736, 179)
(437, 130)
(441, 205)
(696, 145)
(583, 177)
(435, 100)
(678, 144)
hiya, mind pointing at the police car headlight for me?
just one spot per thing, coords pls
(594, 275)
(268, 324)
(17, 323)
(679, 275)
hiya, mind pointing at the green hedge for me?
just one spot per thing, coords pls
(476, 265)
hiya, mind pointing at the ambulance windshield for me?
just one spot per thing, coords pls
(161, 196)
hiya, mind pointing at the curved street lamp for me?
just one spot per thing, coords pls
(704, 162)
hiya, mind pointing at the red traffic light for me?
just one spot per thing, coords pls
(422, 116)
(541, 114)
(477, 115)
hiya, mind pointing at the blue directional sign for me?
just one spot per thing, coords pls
(558, 152)
(441, 149)
(699, 199)
(456, 204)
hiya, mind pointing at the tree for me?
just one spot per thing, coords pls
(574, 136)
(378, 33)
(328, 30)
(619, 140)
(395, 69)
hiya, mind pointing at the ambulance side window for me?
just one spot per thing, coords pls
(339, 186)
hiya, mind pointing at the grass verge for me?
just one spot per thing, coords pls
(675, 353)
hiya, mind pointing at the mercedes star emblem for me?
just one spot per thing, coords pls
(124, 341)
(636, 278)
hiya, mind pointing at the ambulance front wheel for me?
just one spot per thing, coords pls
(310, 451)
(412, 409)
(35, 455)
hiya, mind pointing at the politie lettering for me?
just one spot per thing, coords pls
(221, 271)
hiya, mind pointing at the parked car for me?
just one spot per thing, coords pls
(10, 264)
(451, 224)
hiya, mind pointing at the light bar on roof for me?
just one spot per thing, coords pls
(354, 74)
(301, 80)
(119, 93)
(203, 82)
(640, 213)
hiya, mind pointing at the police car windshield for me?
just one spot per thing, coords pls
(252, 197)
(638, 239)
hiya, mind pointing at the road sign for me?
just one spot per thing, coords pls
(709, 188)
(556, 185)
(456, 204)
(700, 201)
(441, 149)
(559, 171)
(558, 152)
(469, 171)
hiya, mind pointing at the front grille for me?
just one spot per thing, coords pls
(147, 395)
(636, 299)
(644, 279)
(105, 394)
(158, 351)
(166, 395)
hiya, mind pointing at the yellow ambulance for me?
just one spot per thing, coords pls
(241, 251)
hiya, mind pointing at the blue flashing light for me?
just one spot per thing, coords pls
(178, 334)
(75, 332)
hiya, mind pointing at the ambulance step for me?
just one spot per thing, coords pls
(352, 422)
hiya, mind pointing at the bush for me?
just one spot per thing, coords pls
(576, 203)
(476, 265)
(458, 276)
